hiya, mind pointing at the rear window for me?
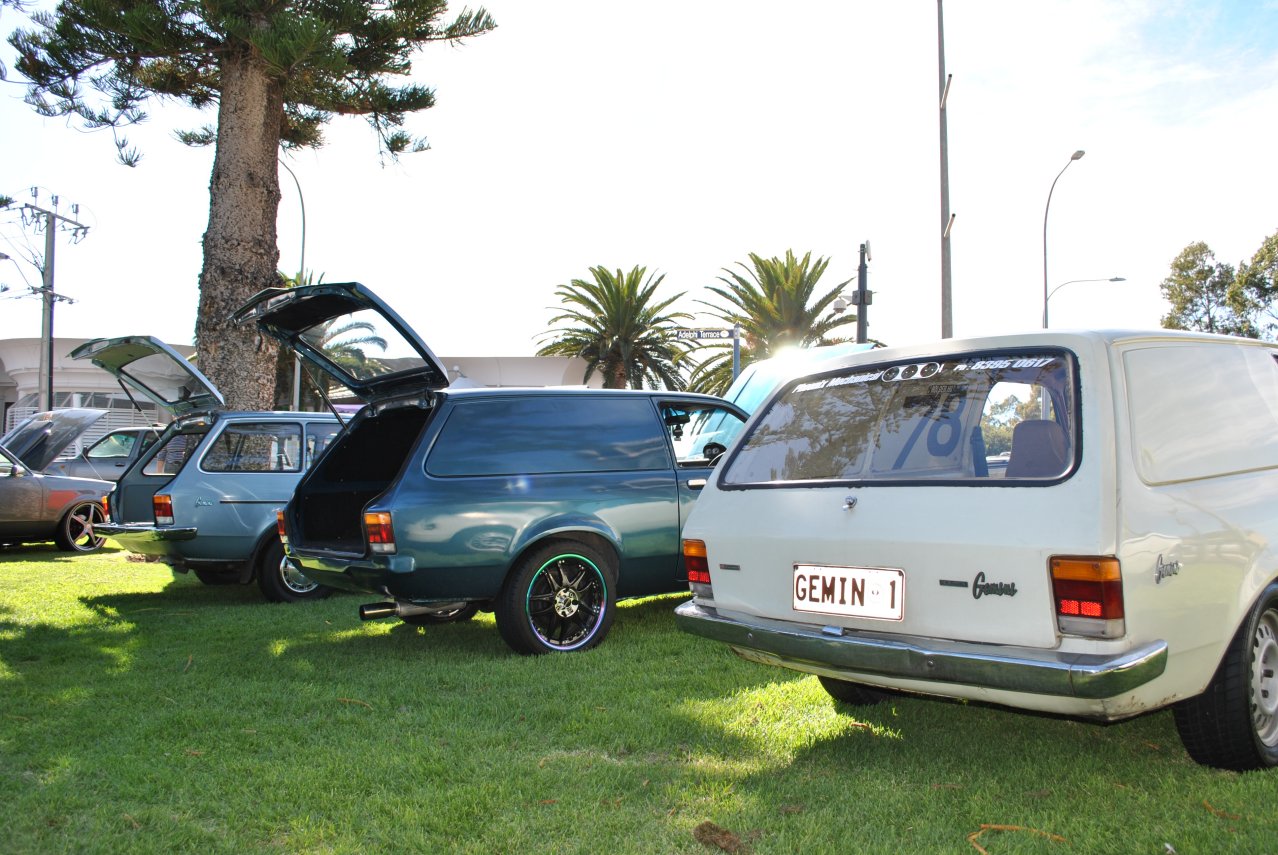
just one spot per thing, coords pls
(170, 457)
(547, 434)
(985, 418)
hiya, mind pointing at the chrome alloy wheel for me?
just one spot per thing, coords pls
(294, 579)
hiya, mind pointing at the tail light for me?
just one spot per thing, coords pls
(106, 506)
(697, 563)
(279, 527)
(1088, 595)
(162, 507)
(379, 533)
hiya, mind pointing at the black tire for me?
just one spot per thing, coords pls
(217, 577)
(466, 612)
(75, 530)
(558, 599)
(279, 582)
(853, 694)
(1234, 723)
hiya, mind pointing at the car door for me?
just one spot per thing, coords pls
(700, 430)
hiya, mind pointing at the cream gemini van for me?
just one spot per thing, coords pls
(1077, 523)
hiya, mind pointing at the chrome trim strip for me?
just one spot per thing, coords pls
(992, 666)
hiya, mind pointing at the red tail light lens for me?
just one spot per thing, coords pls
(279, 526)
(162, 507)
(696, 562)
(379, 533)
(1088, 594)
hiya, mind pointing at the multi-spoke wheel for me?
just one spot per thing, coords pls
(75, 532)
(560, 598)
(1234, 723)
(280, 582)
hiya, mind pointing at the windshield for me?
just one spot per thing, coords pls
(989, 417)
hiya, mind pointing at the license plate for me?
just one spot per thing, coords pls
(864, 592)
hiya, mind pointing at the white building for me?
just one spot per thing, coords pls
(81, 384)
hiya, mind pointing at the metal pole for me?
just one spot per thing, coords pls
(947, 322)
(301, 273)
(1073, 157)
(46, 320)
(862, 301)
(736, 350)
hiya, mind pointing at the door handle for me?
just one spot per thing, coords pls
(696, 483)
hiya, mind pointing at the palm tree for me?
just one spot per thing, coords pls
(777, 304)
(613, 324)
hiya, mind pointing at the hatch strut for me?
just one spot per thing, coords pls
(129, 395)
(323, 394)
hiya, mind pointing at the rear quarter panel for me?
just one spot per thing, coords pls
(1198, 541)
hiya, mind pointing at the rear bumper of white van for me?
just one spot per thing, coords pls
(833, 651)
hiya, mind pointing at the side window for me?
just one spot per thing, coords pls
(173, 454)
(543, 434)
(318, 436)
(699, 434)
(264, 447)
(112, 445)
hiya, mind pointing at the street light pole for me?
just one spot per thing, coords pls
(1071, 282)
(1073, 157)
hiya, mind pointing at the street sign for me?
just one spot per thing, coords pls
(691, 335)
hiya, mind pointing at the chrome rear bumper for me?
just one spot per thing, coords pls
(991, 666)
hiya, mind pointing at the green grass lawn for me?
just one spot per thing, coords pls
(145, 713)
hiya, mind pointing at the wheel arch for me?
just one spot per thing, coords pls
(598, 535)
(249, 570)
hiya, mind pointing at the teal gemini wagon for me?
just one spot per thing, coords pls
(544, 506)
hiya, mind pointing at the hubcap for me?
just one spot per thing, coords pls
(567, 602)
(294, 580)
(566, 599)
(1264, 682)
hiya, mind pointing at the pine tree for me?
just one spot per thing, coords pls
(277, 71)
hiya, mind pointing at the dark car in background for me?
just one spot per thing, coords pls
(544, 506)
(202, 497)
(36, 507)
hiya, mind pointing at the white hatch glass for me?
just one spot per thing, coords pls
(984, 418)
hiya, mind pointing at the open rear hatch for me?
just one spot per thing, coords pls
(346, 331)
(147, 365)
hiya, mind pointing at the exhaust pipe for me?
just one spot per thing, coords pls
(377, 611)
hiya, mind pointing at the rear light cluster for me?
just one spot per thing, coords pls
(379, 533)
(1087, 592)
(696, 561)
(162, 507)
(279, 527)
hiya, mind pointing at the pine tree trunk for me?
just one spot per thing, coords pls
(241, 254)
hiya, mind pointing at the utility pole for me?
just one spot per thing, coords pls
(51, 222)
(862, 297)
(947, 218)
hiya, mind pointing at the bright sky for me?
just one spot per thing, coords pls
(683, 134)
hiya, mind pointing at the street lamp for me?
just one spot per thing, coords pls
(1073, 157)
(1071, 282)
